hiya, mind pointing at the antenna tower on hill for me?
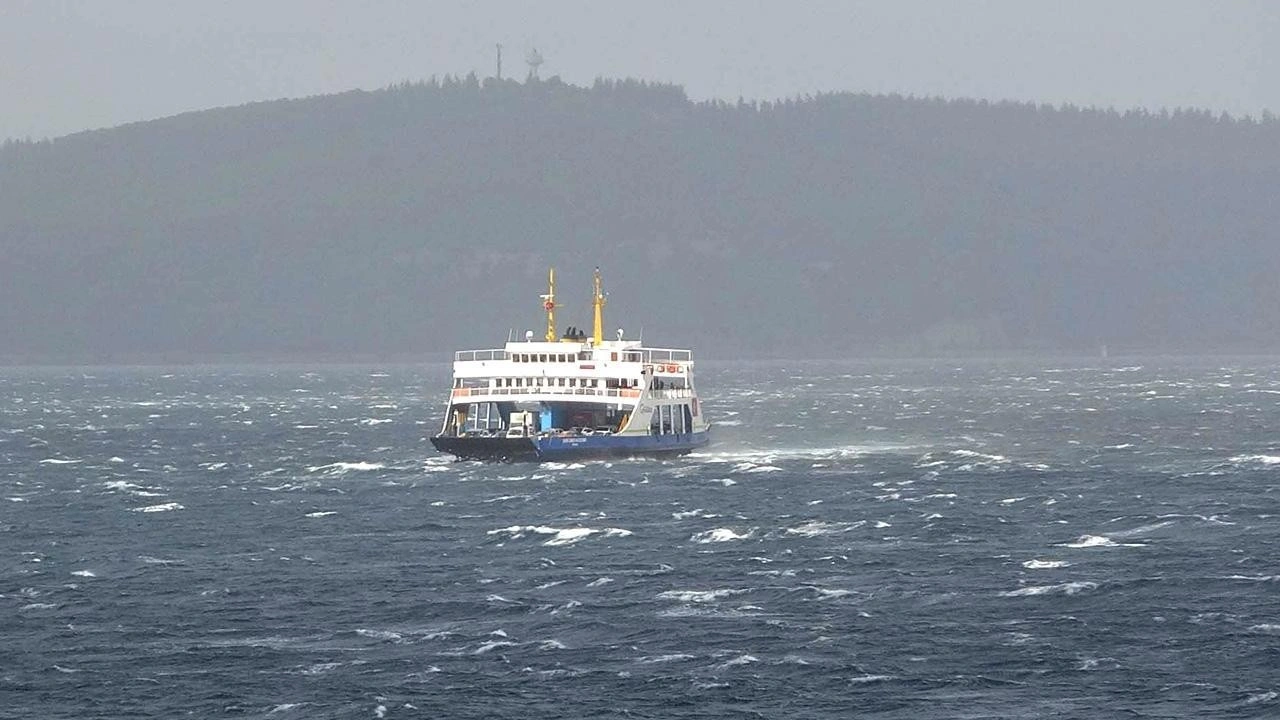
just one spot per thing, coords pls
(533, 60)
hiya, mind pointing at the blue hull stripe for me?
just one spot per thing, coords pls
(550, 448)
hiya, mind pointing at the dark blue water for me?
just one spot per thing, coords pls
(886, 540)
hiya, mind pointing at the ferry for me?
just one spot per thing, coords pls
(572, 396)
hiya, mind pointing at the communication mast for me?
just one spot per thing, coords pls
(499, 46)
(533, 60)
(549, 304)
(597, 307)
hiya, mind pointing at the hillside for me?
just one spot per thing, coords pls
(422, 217)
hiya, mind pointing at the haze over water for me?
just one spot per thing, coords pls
(921, 539)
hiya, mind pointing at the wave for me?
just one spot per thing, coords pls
(163, 507)
(1258, 459)
(699, 596)
(386, 635)
(340, 468)
(814, 528)
(1045, 564)
(132, 489)
(863, 679)
(1098, 541)
(561, 536)
(1070, 588)
(743, 659)
(673, 657)
(719, 535)
(829, 452)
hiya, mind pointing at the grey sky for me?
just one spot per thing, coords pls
(72, 65)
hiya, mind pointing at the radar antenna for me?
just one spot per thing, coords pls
(533, 60)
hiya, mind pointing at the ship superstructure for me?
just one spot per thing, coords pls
(572, 396)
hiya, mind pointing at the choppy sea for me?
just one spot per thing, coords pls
(1023, 539)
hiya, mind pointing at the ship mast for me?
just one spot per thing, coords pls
(597, 304)
(549, 304)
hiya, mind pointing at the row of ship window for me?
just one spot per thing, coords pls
(554, 382)
(570, 357)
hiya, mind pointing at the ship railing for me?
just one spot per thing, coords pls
(485, 392)
(672, 393)
(472, 355)
(663, 355)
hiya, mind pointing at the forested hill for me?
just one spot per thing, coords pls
(423, 217)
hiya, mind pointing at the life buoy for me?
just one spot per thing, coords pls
(672, 368)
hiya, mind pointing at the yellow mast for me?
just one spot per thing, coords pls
(597, 303)
(549, 304)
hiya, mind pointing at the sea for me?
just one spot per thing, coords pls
(1028, 538)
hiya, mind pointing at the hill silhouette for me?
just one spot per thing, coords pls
(421, 218)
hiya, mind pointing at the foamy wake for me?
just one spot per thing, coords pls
(1070, 588)
(767, 457)
(747, 467)
(561, 536)
(718, 535)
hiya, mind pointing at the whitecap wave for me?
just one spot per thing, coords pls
(1070, 588)
(743, 659)
(863, 679)
(321, 513)
(386, 635)
(699, 596)
(1098, 541)
(1259, 459)
(162, 507)
(719, 535)
(491, 645)
(673, 657)
(561, 536)
(814, 528)
(1045, 564)
(340, 468)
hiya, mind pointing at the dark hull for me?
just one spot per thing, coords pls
(568, 448)
(497, 449)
